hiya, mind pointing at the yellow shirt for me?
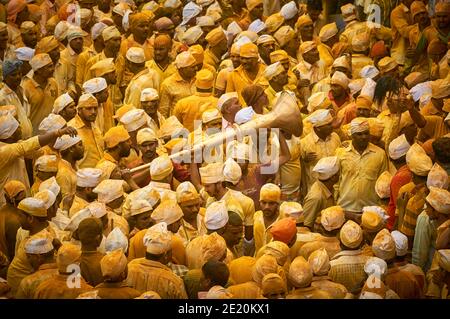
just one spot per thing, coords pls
(318, 198)
(147, 78)
(222, 79)
(81, 64)
(65, 72)
(145, 275)
(358, 176)
(356, 27)
(77, 205)
(261, 233)
(41, 99)
(325, 54)
(20, 266)
(190, 109)
(211, 59)
(435, 128)
(130, 42)
(187, 232)
(391, 123)
(291, 172)
(105, 120)
(163, 73)
(9, 97)
(29, 284)
(323, 148)
(358, 62)
(92, 141)
(247, 205)
(66, 178)
(12, 164)
(238, 80)
(401, 24)
(56, 288)
(173, 89)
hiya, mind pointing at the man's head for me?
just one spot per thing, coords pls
(229, 105)
(75, 39)
(438, 204)
(186, 65)
(235, 228)
(217, 41)
(216, 218)
(256, 8)
(442, 15)
(158, 241)
(147, 142)
(87, 180)
(163, 45)
(10, 131)
(32, 211)
(170, 213)
(212, 177)
(285, 231)
(117, 141)
(276, 74)
(188, 199)
(441, 148)
(3, 35)
(15, 191)
(266, 45)
(135, 59)
(46, 166)
(164, 25)
(360, 133)
(305, 26)
(314, 9)
(269, 200)
(339, 84)
(29, 32)
(249, 57)
(12, 74)
(98, 88)
(161, 169)
(87, 108)
(112, 38)
(42, 65)
(70, 147)
(214, 273)
(39, 249)
(140, 25)
(114, 266)
(90, 232)
(110, 192)
(309, 52)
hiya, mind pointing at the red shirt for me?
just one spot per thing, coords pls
(402, 177)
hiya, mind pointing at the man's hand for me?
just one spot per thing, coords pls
(69, 131)
(126, 174)
(311, 156)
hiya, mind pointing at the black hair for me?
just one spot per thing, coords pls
(217, 272)
(441, 148)
(386, 85)
(314, 4)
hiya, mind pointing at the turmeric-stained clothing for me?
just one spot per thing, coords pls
(173, 89)
(56, 287)
(29, 284)
(90, 267)
(116, 290)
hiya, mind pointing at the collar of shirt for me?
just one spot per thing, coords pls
(78, 122)
(48, 266)
(109, 158)
(324, 189)
(370, 148)
(317, 138)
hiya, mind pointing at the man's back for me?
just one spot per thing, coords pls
(145, 275)
(90, 267)
(59, 287)
(116, 290)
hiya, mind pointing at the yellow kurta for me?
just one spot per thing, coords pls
(147, 78)
(12, 164)
(358, 176)
(325, 54)
(29, 284)
(261, 234)
(238, 80)
(41, 99)
(391, 123)
(56, 288)
(187, 232)
(145, 275)
(65, 72)
(434, 128)
(77, 205)
(401, 23)
(92, 141)
(9, 97)
(81, 64)
(312, 143)
(173, 89)
(358, 62)
(163, 73)
(66, 177)
(105, 120)
(318, 198)
(211, 59)
(191, 108)
(20, 267)
(290, 172)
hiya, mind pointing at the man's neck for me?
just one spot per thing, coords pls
(36, 228)
(114, 155)
(88, 248)
(40, 80)
(192, 221)
(87, 123)
(109, 53)
(139, 38)
(276, 86)
(163, 63)
(71, 161)
(269, 220)
(253, 73)
(222, 191)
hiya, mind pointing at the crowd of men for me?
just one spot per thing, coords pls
(97, 98)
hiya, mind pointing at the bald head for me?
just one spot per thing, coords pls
(163, 45)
